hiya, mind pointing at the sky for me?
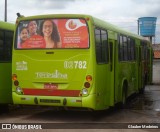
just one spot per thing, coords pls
(122, 13)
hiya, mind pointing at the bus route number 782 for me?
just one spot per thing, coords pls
(75, 64)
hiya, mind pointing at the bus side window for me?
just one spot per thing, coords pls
(101, 46)
(125, 52)
(8, 45)
(6, 38)
(133, 50)
(1, 45)
(111, 55)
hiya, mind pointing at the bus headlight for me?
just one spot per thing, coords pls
(19, 90)
(84, 91)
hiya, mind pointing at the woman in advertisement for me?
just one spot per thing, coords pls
(49, 31)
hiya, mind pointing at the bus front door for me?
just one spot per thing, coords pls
(112, 78)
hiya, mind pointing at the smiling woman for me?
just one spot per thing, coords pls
(49, 31)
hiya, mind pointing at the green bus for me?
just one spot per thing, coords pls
(6, 42)
(76, 61)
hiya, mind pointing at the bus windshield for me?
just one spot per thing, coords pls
(52, 33)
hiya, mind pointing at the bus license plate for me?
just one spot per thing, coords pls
(50, 86)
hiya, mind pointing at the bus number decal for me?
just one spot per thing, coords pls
(75, 64)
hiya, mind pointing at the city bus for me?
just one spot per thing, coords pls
(75, 61)
(6, 40)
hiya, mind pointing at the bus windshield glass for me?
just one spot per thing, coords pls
(52, 33)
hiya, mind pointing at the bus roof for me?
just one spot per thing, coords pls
(6, 25)
(96, 21)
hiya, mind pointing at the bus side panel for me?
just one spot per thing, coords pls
(102, 86)
(5, 83)
(125, 73)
